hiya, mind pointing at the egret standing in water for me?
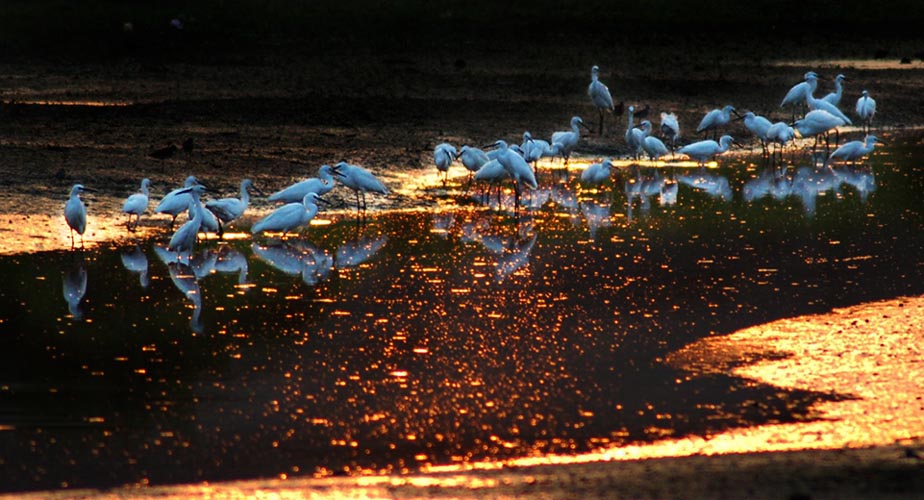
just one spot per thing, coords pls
(702, 151)
(652, 146)
(322, 184)
(715, 119)
(137, 204)
(600, 96)
(443, 156)
(854, 150)
(359, 180)
(670, 128)
(290, 216)
(759, 126)
(75, 213)
(517, 169)
(796, 94)
(866, 110)
(176, 201)
(816, 123)
(229, 209)
(569, 138)
(183, 240)
(634, 136)
(835, 97)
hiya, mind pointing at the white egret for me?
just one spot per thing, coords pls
(759, 126)
(670, 128)
(137, 203)
(835, 97)
(176, 201)
(229, 209)
(866, 110)
(814, 104)
(854, 150)
(715, 119)
(443, 155)
(472, 158)
(702, 151)
(569, 138)
(517, 169)
(597, 173)
(634, 136)
(796, 94)
(492, 172)
(652, 146)
(322, 184)
(360, 181)
(599, 95)
(184, 239)
(290, 216)
(781, 133)
(817, 122)
(75, 213)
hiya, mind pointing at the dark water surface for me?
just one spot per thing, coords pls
(434, 338)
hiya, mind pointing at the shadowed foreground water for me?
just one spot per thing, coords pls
(436, 338)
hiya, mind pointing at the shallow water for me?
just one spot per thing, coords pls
(421, 337)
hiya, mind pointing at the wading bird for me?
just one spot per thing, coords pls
(517, 169)
(443, 156)
(816, 123)
(229, 209)
(634, 136)
(176, 201)
(835, 97)
(183, 240)
(670, 128)
(759, 126)
(360, 181)
(137, 204)
(75, 213)
(290, 216)
(702, 151)
(652, 146)
(854, 150)
(600, 96)
(322, 184)
(569, 138)
(715, 119)
(796, 94)
(866, 110)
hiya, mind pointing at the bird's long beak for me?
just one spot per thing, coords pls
(739, 115)
(322, 200)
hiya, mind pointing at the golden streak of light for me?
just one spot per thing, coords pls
(52, 102)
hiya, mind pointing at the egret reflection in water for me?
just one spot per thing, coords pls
(136, 261)
(184, 278)
(75, 287)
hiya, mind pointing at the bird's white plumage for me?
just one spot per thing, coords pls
(137, 203)
(866, 108)
(183, 240)
(360, 181)
(229, 209)
(854, 150)
(472, 158)
(322, 184)
(835, 97)
(176, 201)
(715, 118)
(289, 216)
(75, 213)
(568, 138)
(798, 91)
(598, 92)
(702, 151)
(817, 122)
